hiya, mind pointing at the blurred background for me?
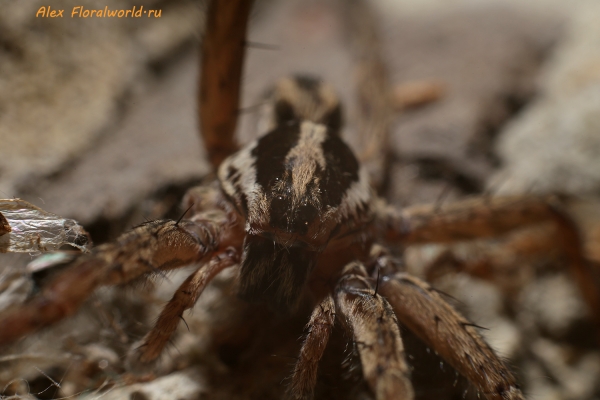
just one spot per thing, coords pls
(98, 122)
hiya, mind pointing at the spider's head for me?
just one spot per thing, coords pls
(298, 186)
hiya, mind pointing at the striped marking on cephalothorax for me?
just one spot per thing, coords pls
(237, 176)
(306, 158)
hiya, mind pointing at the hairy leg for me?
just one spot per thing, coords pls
(153, 247)
(507, 262)
(423, 310)
(57, 300)
(372, 87)
(157, 246)
(319, 329)
(488, 217)
(223, 49)
(370, 319)
(464, 220)
(184, 298)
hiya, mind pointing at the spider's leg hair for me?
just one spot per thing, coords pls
(423, 310)
(157, 245)
(184, 298)
(160, 245)
(371, 322)
(318, 330)
(376, 291)
(476, 219)
(185, 212)
(223, 50)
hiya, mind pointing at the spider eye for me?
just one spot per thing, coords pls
(284, 112)
(278, 204)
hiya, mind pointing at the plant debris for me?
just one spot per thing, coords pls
(25, 228)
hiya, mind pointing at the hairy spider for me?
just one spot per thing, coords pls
(297, 213)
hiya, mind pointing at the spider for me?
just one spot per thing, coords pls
(295, 210)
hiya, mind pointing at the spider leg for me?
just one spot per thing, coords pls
(57, 300)
(223, 49)
(484, 218)
(424, 311)
(153, 247)
(184, 298)
(319, 329)
(371, 320)
(495, 261)
(464, 220)
(372, 87)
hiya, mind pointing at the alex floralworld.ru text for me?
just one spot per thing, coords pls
(81, 12)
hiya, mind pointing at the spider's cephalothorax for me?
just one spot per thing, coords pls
(299, 187)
